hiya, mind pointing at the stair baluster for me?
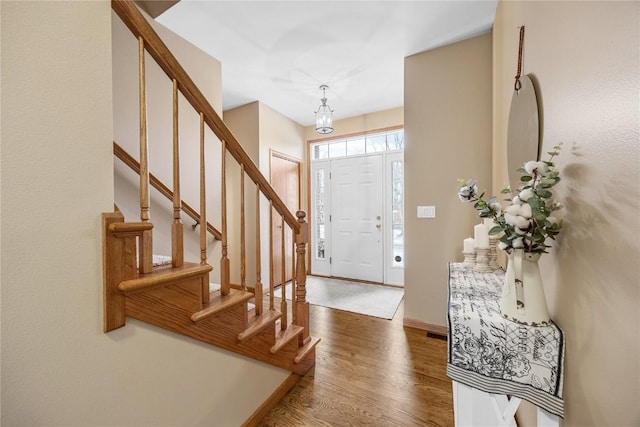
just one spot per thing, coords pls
(243, 254)
(258, 288)
(294, 313)
(283, 269)
(224, 260)
(203, 197)
(302, 306)
(272, 281)
(145, 242)
(203, 212)
(177, 240)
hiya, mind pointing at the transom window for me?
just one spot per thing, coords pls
(358, 145)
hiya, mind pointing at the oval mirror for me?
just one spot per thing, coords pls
(523, 135)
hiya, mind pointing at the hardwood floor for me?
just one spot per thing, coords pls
(369, 372)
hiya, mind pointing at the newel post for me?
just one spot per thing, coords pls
(302, 306)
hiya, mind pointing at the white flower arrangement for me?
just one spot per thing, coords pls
(528, 221)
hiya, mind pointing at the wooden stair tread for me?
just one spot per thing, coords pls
(284, 337)
(219, 303)
(161, 276)
(306, 349)
(257, 323)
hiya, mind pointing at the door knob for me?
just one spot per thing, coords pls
(378, 225)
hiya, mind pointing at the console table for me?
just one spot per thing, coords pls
(494, 362)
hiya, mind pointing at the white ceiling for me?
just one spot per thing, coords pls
(280, 52)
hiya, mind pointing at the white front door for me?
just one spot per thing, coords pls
(357, 218)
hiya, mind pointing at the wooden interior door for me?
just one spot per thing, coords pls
(285, 180)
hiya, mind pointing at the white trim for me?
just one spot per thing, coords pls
(473, 407)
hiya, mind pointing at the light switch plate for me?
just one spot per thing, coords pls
(426, 211)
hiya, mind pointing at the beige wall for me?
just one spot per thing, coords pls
(58, 367)
(447, 118)
(279, 133)
(261, 129)
(245, 125)
(585, 57)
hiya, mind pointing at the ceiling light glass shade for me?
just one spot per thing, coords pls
(324, 119)
(324, 115)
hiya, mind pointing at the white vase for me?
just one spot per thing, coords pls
(523, 299)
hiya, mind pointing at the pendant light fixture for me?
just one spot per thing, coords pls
(324, 115)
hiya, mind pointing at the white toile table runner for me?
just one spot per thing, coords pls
(496, 355)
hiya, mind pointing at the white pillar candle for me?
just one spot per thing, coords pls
(468, 245)
(490, 223)
(481, 236)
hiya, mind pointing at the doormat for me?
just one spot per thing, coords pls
(371, 300)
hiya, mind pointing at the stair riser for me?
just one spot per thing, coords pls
(221, 330)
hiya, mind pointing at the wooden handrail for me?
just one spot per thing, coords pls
(129, 228)
(138, 25)
(163, 189)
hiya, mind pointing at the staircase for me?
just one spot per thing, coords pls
(178, 297)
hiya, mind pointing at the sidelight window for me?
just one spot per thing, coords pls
(320, 211)
(397, 209)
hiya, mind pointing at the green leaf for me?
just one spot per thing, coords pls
(543, 193)
(495, 230)
(534, 202)
(540, 217)
(525, 178)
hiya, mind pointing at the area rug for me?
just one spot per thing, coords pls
(371, 300)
